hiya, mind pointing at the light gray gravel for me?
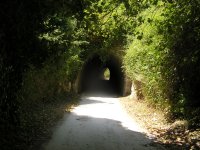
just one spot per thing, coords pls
(99, 123)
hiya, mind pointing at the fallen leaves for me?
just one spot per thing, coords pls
(38, 120)
(172, 135)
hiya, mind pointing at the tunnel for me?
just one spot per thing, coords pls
(93, 78)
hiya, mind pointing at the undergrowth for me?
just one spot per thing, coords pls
(44, 97)
(162, 57)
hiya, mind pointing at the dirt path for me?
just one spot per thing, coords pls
(99, 123)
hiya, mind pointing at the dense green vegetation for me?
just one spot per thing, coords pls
(164, 56)
(39, 51)
(43, 45)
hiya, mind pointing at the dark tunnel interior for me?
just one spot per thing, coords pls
(93, 80)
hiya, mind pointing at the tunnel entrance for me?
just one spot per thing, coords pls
(102, 77)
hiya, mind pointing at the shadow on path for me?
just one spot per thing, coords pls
(99, 123)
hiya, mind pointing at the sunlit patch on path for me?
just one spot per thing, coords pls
(106, 108)
(98, 123)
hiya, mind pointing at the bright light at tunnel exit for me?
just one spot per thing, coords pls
(106, 74)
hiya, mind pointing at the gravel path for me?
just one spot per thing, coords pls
(99, 123)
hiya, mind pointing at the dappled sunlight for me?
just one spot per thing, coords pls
(106, 108)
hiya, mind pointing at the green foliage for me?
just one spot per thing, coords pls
(183, 25)
(43, 84)
(163, 53)
(31, 33)
(104, 23)
(145, 56)
(65, 41)
(43, 45)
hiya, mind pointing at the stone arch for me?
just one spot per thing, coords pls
(90, 77)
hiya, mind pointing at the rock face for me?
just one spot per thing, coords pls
(136, 90)
(179, 125)
(127, 86)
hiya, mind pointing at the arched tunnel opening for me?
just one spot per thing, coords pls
(102, 76)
